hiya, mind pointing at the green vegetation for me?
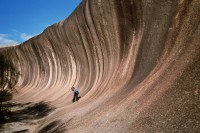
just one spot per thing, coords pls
(8, 79)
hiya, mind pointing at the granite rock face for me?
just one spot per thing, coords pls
(136, 64)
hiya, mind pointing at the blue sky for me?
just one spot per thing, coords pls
(23, 19)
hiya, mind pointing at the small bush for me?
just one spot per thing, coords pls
(8, 79)
(5, 95)
(8, 72)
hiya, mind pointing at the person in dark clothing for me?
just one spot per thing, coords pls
(76, 97)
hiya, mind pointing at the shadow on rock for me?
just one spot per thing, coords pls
(53, 127)
(24, 112)
(22, 131)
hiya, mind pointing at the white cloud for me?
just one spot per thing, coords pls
(25, 36)
(5, 41)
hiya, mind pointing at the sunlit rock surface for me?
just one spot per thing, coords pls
(136, 64)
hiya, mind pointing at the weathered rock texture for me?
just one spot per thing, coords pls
(136, 64)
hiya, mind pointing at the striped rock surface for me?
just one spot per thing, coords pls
(136, 64)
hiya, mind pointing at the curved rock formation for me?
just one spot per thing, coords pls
(136, 64)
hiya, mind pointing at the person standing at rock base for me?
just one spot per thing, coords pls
(76, 97)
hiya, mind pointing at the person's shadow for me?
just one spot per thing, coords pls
(78, 98)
